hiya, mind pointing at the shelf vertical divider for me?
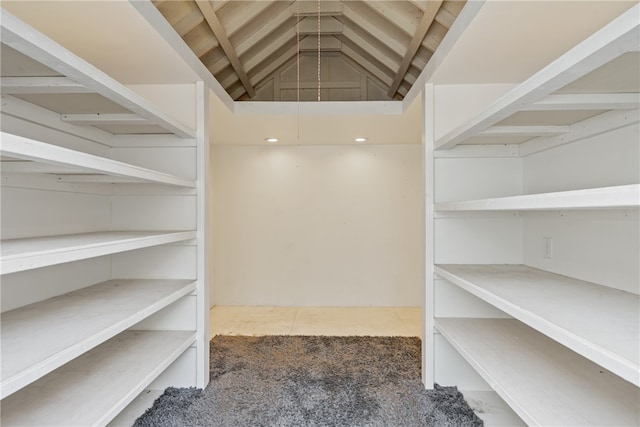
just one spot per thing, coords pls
(428, 143)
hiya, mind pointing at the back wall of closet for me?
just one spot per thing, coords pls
(316, 225)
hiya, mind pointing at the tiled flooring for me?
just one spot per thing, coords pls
(336, 321)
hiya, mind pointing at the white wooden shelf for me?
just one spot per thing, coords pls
(34, 44)
(598, 322)
(544, 382)
(128, 416)
(49, 158)
(622, 196)
(493, 411)
(80, 358)
(612, 41)
(92, 389)
(40, 337)
(26, 254)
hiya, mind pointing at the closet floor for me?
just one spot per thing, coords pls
(335, 321)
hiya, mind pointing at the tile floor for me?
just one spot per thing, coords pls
(336, 321)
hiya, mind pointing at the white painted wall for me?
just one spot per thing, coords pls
(456, 104)
(317, 225)
(612, 158)
(600, 246)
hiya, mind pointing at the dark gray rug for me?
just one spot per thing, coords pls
(312, 381)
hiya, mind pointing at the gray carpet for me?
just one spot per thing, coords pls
(312, 381)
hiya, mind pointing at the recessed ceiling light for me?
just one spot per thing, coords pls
(271, 139)
(361, 139)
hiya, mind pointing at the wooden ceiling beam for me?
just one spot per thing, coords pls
(384, 57)
(370, 59)
(366, 64)
(392, 13)
(201, 39)
(268, 50)
(268, 70)
(420, 4)
(425, 22)
(356, 15)
(434, 37)
(328, 25)
(445, 18)
(277, 16)
(215, 60)
(310, 8)
(328, 43)
(364, 71)
(228, 81)
(212, 19)
(189, 21)
(237, 14)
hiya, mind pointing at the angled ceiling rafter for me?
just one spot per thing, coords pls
(403, 90)
(410, 78)
(189, 21)
(310, 8)
(215, 60)
(353, 12)
(217, 66)
(284, 61)
(370, 58)
(275, 17)
(421, 58)
(349, 36)
(237, 91)
(330, 43)
(365, 63)
(252, 39)
(445, 18)
(391, 11)
(362, 36)
(279, 58)
(434, 37)
(463, 20)
(266, 48)
(201, 39)
(328, 25)
(244, 13)
(228, 77)
(365, 72)
(212, 19)
(420, 4)
(183, 16)
(416, 41)
(158, 21)
(217, 4)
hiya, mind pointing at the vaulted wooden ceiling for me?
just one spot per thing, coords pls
(249, 45)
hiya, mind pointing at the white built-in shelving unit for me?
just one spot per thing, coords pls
(104, 284)
(533, 280)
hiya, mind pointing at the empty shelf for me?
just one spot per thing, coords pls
(544, 382)
(92, 389)
(34, 44)
(41, 337)
(66, 161)
(605, 45)
(597, 322)
(493, 411)
(35, 252)
(621, 196)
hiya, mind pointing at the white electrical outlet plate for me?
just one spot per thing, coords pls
(548, 247)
